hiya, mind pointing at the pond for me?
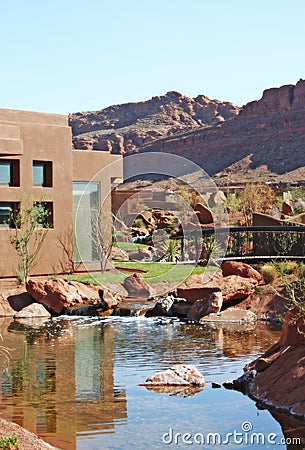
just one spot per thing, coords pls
(75, 382)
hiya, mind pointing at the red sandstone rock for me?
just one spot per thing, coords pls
(235, 287)
(201, 308)
(287, 208)
(241, 269)
(33, 310)
(55, 294)
(232, 287)
(264, 220)
(136, 286)
(281, 381)
(194, 289)
(203, 213)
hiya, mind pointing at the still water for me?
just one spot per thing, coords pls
(75, 382)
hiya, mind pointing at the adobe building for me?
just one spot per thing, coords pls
(37, 160)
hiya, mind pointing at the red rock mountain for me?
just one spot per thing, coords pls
(264, 139)
(128, 127)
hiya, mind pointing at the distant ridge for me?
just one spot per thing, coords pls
(264, 140)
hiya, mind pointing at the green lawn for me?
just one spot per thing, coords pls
(155, 272)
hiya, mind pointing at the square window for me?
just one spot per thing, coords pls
(7, 212)
(42, 173)
(44, 214)
(9, 173)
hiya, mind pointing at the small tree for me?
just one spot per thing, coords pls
(30, 227)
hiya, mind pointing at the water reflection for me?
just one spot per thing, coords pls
(69, 379)
(59, 380)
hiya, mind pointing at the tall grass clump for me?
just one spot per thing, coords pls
(269, 273)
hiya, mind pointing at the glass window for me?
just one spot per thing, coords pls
(44, 214)
(38, 174)
(42, 173)
(86, 207)
(5, 172)
(7, 210)
(9, 172)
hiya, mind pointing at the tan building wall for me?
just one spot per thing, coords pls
(45, 138)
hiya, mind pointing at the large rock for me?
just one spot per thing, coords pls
(177, 375)
(287, 208)
(31, 311)
(281, 381)
(241, 269)
(231, 315)
(204, 215)
(136, 286)
(232, 287)
(55, 294)
(235, 287)
(163, 307)
(201, 308)
(194, 289)
(217, 198)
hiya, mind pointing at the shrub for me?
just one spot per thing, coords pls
(8, 443)
(286, 267)
(256, 198)
(269, 273)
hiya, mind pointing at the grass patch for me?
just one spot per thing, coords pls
(155, 272)
(129, 246)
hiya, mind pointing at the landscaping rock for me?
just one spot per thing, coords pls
(281, 381)
(235, 287)
(140, 254)
(287, 208)
(177, 375)
(204, 215)
(180, 308)
(242, 383)
(175, 391)
(118, 253)
(194, 289)
(162, 307)
(136, 286)
(33, 310)
(56, 295)
(232, 315)
(201, 308)
(240, 269)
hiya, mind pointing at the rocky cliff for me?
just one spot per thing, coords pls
(263, 139)
(128, 127)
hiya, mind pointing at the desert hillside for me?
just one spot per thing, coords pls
(264, 139)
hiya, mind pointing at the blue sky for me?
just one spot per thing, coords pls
(65, 56)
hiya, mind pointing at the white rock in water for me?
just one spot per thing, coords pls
(177, 375)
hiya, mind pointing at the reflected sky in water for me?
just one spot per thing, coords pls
(75, 381)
